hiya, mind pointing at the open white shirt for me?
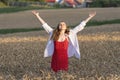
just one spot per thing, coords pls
(73, 47)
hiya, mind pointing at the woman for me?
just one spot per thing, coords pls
(63, 43)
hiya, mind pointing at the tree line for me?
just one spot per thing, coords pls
(95, 3)
(105, 3)
(7, 1)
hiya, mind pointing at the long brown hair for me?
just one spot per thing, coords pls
(56, 33)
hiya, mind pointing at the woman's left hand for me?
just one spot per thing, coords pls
(92, 14)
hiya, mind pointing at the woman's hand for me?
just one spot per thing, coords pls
(44, 24)
(92, 14)
(35, 13)
(39, 18)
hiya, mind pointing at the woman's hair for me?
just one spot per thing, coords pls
(56, 33)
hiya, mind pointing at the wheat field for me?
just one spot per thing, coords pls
(21, 55)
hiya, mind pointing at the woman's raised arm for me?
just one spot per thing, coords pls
(91, 15)
(83, 23)
(39, 18)
(44, 24)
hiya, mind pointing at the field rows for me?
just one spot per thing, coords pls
(26, 19)
(96, 37)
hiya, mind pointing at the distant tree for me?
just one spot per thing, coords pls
(33, 0)
(4, 1)
(105, 3)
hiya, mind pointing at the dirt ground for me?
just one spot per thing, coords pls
(71, 16)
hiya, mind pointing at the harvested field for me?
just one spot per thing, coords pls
(21, 54)
(71, 16)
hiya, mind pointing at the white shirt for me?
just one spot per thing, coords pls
(73, 47)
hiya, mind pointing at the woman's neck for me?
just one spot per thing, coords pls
(62, 32)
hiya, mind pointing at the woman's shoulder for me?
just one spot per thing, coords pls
(71, 32)
(66, 35)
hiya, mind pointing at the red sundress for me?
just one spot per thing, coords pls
(60, 56)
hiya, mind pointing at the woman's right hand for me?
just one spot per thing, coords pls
(39, 17)
(35, 13)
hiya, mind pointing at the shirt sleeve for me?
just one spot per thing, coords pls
(47, 28)
(79, 27)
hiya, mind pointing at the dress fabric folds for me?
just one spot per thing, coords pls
(60, 56)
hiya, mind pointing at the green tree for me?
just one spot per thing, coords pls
(33, 0)
(105, 3)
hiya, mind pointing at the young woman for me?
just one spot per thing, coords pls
(63, 43)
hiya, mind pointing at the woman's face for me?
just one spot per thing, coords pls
(62, 26)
